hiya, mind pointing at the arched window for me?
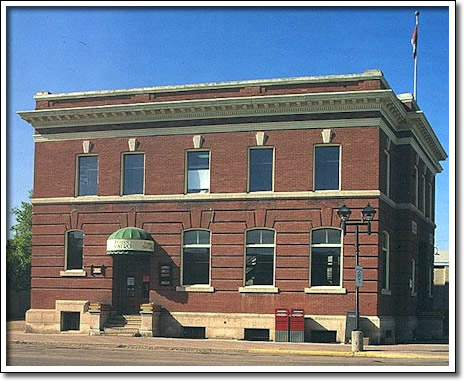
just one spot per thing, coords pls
(74, 250)
(196, 247)
(385, 261)
(326, 250)
(259, 257)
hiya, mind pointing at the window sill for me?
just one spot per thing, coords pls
(195, 288)
(325, 290)
(259, 289)
(73, 273)
(386, 292)
(260, 191)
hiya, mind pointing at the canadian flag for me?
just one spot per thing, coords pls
(414, 42)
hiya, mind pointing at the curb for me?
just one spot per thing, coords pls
(392, 355)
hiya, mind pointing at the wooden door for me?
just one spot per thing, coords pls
(134, 284)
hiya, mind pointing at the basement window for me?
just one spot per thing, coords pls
(323, 336)
(256, 334)
(194, 333)
(70, 321)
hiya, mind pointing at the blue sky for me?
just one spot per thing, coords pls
(78, 49)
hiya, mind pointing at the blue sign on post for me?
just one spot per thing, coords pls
(359, 276)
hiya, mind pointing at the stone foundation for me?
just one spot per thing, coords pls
(149, 325)
(51, 320)
(378, 330)
(160, 322)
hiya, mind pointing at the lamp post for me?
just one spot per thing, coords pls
(367, 216)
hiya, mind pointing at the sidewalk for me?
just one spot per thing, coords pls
(400, 351)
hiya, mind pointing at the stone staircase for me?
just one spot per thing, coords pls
(123, 325)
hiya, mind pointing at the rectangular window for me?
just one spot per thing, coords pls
(387, 173)
(413, 278)
(198, 174)
(386, 261)
(431, 201)
(260, 170)
(423, 193)
(133, 173)
(74, 249)
(430, 282)
(325, 257)
(70, 321)
(87, 175)
(416, 186)
(327, 168)
(259, 266)
(195, 257)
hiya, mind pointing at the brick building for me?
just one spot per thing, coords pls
(203, 208)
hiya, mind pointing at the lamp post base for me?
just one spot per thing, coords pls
(357, 341)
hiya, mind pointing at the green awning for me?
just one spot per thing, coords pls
(130, 241)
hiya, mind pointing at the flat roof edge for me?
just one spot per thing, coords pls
(367, 74)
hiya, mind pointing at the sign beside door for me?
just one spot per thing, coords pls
(165, 274)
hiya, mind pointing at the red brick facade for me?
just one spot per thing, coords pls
(363, 180)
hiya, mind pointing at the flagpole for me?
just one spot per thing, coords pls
(415, 59)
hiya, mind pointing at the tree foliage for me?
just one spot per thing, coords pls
(18, 253)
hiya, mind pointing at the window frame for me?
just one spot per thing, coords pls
(315, 146)
(250, 148)
(388, 173)
(186, 168)
(257, 287)
(188, 287)
(431, 200)
(386, 271)
(413, 278)
(430, 282)
(77, 173)
(423, 179)
(328, 288)
(72, 271)
(123, 154)
(416, 186)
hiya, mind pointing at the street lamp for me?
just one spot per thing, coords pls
(367, 216)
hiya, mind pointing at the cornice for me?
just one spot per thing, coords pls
(207, 108)
(384, 101)
(424, 131)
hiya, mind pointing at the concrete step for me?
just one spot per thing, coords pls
(124, 325)
(120, 331)
(126, 318)
(119, 325)
(132, 317)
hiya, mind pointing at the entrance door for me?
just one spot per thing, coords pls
(133, 283)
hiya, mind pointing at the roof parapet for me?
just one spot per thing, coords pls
(408, 100)
(366, 75)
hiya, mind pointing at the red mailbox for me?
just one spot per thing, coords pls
(281, 324)
(297, 325)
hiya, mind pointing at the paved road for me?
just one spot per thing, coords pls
(39, 355)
